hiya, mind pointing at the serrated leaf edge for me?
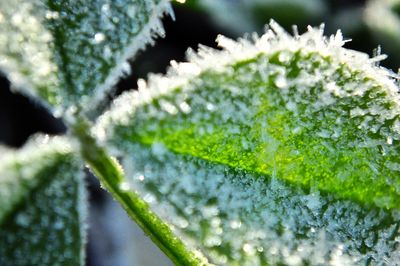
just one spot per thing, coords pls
(152, 30)
(275, 39)
(147, 35)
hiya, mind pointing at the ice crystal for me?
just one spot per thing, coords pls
(42, 203)
(25, 56)
(19, 169)
(281, 149)
(68, 51)
(240, 218)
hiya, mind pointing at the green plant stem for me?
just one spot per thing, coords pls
(112, 179)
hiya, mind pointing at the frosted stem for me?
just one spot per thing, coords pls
(112, 178)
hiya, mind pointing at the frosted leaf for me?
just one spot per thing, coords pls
(249, 15)
(19, 168)
(383, 19)
(239, 218)
(283, 158)
(70, 51)
(42, 199)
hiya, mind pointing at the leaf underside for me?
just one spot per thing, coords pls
(282, 151)
(43, 193)
(67, 52)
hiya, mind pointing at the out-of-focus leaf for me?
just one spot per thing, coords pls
(251, 15)
(42, 199)
(72, 52)
(383, 19)
(282, 150)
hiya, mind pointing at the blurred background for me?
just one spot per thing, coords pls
(113, 238)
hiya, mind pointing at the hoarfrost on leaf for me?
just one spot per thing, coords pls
(43, 205)
(287, 155)
(239, 218)
(68, 52)
(19, 169)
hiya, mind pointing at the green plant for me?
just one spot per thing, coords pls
(277, 150)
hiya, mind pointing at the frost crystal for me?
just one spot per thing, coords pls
(287, 151)
(42, 205)
(19, 169)
(24, 54)
(68, 51)
(238, 218)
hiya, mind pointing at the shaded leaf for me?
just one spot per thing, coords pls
(70, 52)
(281, 150)
(42, 198)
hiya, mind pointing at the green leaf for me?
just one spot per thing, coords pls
(112, 178)
(42, 199)
(70, 52)
(281, 150)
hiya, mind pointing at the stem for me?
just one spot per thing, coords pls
(112, 177)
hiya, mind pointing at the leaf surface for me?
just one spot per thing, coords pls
(70, 52)
(282, 150)
(42, 199)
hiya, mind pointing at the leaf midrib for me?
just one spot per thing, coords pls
(260, 174)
